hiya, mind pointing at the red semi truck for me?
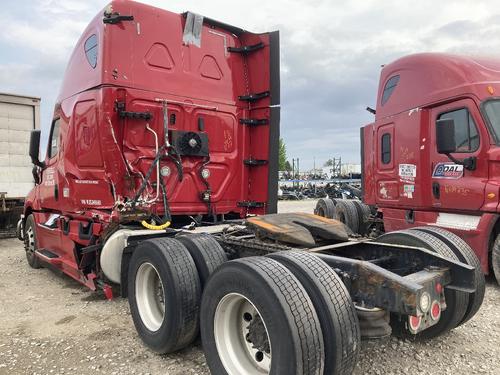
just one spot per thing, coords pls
(160, 178)
(432, 155)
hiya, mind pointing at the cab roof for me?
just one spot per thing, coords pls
(149, 53)
(428, 78)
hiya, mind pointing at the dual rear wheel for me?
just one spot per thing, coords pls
(288, 313)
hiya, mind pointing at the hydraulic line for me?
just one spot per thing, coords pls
(157, 165)
(160, 153)
(166, 208)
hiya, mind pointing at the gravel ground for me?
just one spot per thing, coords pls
(49, 324)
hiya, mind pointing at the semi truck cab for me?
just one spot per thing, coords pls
(163, 117)
(432, 155)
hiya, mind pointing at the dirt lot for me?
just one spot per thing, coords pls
(50, 324)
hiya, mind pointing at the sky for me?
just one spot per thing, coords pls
(331, 53)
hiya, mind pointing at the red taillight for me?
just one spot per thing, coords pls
(439, 288)
(414, 322)
(435, 310)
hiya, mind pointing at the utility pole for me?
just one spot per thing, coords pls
(298, 169)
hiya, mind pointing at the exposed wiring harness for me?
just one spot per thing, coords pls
(205, 181)
(148, 175)
(167, 218)
(166, 221)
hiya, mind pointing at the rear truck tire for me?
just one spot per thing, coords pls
(259, 319)
(164, 294)
(347, 213)
(206, 253)
(325, 207)
(495, 259)
(30, 242)
(363, 216)
(456, 301)
(465, 255)
(333, 304)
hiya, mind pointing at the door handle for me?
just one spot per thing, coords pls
(436, 191)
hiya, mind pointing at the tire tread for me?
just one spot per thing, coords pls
(340, 306)
(466, 255)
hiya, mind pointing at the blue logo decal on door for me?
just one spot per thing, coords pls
(448, 170)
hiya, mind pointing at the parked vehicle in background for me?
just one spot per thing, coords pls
(431, 157)
(19, 115)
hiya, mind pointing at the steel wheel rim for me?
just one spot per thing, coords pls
(231, 330)
(150, 296)
(30, 236)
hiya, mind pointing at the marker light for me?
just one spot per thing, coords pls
(205, 173)
(425, 302)
(165, 171)
(439, 288)
(435, 310)
(414, 322)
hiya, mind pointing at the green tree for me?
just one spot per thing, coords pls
(282, 162)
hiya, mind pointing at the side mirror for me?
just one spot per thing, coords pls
(445, 136)
(35, 148)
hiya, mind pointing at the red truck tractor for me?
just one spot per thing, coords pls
(432, 158)
(160, 183)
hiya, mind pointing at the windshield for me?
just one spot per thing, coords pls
(492, 110)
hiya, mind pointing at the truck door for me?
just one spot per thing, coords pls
(452, 186)
(49, 189)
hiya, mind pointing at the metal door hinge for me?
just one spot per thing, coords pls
(254, 121)
(246, 49)
(254, 97)
(254, 162)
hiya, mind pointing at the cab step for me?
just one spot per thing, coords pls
(48, 256)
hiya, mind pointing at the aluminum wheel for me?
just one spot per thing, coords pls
(241, 337)
(150, 296)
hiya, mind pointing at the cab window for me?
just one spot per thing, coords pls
(91, 50)
(466, 134)
(386, 148)
(54, 139)
(389, 88)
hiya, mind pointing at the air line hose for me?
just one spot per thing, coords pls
(145, 224)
